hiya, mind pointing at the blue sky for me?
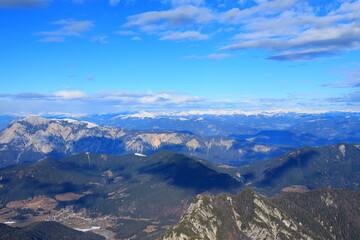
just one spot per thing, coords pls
(95, 56)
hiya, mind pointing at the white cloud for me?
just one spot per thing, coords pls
(188, 35)
(70, 94)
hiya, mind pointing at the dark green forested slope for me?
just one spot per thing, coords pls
(330, 166)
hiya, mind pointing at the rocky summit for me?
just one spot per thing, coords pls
(318, 214)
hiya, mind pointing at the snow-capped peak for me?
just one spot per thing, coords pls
(91, 125)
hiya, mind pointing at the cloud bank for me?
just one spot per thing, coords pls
(117, 101)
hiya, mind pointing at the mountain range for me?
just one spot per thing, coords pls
(127, 180)
(140, 196)
(296, 128)
(33, 138)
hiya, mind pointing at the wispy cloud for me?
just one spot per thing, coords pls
(351, 99)
(90, 78)
(52, 39)
(136, 38)
(59, 95)
(184, 2)
(306, 54)
(237, 16)
(23, 3)
(177, 24)
(176, 17)
(351, 79)
(162, 98)
(125, 32)
(100, 39)
(185, 36)
(214, 56)
(114, 2)
(69, 27)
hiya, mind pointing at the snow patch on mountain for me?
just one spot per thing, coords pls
(91, 125)
(139, 154)
(69, 120)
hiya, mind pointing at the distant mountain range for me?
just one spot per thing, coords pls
(32, 138)
(318, 214)
(294, 128)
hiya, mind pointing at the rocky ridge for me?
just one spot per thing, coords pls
(250, 215)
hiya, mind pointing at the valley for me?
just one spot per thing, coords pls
(118, 193)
